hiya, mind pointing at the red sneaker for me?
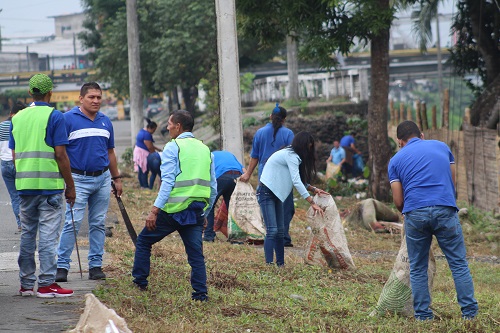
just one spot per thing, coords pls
(54, 290)
(26, 292)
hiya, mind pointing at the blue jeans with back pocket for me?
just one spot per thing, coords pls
(443, 223)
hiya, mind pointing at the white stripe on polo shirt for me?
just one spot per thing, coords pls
(88, 132)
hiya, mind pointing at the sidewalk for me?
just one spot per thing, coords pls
(32, 314)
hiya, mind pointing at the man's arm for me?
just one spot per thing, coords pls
(397, 195)
(65, 169)
(251, 167)
(353, 147)
(113, 168)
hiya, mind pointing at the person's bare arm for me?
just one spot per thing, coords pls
(251, 167)
(397, 195)
(329, 159)
(113, 168)
(150, 146)
(65, 169)
(353, 146)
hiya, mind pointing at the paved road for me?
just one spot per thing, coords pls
(31, 314)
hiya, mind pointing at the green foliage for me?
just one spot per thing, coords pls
(210, 84)
(128, 158)
(177, 42)
(246, 82)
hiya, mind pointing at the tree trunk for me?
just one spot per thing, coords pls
(190, 94)
(293, 67)
(378, 140)
(484, 111)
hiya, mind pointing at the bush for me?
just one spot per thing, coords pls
(128, 157)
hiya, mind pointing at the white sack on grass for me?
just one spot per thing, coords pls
(244, 218)
(328, 244)
(97, 318)
(396, 295)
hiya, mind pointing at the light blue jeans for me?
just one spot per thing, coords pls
(442, 222)
(9, 177)
(41, 213)
(96, 192)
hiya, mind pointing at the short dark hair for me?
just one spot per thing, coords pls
(17, 107)
(87, 86)
(184, 118)
(407, 129)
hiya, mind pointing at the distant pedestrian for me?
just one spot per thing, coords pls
(8, 167)
(144, 145)
(422, 176)
(38, 141)
(293, 166)
(337, 156)
(354, 161)
(227, 169)
(187, 193)
(266, 141)
(93, 165)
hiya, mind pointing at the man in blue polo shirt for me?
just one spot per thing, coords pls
(268, 140)
(227, 169)
(422, 176)
(93, 166)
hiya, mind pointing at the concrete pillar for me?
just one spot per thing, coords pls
(229, 78)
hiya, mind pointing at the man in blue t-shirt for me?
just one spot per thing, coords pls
(227, 169)
(93, 166)
(268, 140)
(422, 176)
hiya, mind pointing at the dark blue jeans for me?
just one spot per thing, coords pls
(225, 188)
(154, 162)
(191, 237)
(442, 222)
(143, 178)
(272, 212)
(288, 212)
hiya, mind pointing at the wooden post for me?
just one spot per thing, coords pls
(434, 117)
(467, 116)
(417, 114)
(423, 111)
(391, 111)
(408, 113)
(401, 112)
(446, 108)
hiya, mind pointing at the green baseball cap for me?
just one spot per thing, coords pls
(40, 84)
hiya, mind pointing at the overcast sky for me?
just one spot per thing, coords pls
(25, 18)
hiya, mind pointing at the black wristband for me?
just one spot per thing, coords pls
(117, 177)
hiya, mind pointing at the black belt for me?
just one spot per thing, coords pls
(89, 173)
(232, 172)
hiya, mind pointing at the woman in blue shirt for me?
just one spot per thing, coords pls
(294, 165)
(143, 147)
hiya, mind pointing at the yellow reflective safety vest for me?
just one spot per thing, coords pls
(193, 181)
(36, 166)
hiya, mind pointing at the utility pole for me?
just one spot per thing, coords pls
(74, 51)
(229, 78)
(134, 70)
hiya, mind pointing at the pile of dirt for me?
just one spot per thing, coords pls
(325, 128)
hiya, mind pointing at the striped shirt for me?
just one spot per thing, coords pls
(5, 152)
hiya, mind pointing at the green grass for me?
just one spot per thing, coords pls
(248, 296)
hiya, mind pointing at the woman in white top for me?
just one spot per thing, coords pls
(288, 167)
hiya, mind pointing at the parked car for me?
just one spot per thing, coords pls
(110, 111)
(152, 110)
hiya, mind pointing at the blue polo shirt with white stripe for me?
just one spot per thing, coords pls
(89, 140)
(423, 169)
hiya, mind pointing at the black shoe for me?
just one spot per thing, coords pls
(96, 273)
(289, 245)
(141, 288)
(200, 298)
(62, 275)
